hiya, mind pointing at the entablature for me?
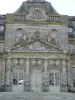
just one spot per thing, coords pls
(47, 55)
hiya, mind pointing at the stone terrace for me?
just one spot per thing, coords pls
(36, 96)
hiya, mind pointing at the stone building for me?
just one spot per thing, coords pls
(37, 49)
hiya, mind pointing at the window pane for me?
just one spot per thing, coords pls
(51, 79)
(15, 77)
(56, 79)
(73, 83)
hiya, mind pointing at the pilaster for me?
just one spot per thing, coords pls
(8, 82)
(64, 87)
(3, 72)
(8, 71)
(45, 81)
(27, 81)
(64, 72)
(69, 73)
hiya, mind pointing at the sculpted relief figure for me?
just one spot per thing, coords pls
(49, 37)
(36, 43)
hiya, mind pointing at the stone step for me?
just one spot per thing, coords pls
(36, 96)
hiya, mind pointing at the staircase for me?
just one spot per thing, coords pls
(36, 96)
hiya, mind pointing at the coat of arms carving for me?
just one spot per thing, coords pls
(37, 14)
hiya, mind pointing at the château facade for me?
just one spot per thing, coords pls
(37, 49)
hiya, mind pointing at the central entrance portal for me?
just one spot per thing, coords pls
(36, 80)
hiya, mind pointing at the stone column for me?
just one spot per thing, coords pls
(8, 75)
(8, 83)
(27, 81)
(45, 68)
(27, 67)
(46, 81)
(3, 72)
(64, 73)
(69, 73)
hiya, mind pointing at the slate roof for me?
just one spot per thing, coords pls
(25, 6)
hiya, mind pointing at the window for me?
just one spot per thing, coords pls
(54, 79)
(73, 83)
(70, 30)
(54, 33)
(73, 71)
(51, 79)
(15, 81)
(1, 28)
(19, 34)
(1, 47)
(18, 77)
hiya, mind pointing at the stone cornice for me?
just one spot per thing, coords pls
(37, 23)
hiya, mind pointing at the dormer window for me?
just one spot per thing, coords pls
(1, 28)
(19, 34)
(70, 30)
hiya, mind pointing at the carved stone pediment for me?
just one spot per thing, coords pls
(35, 45)
(36, 14)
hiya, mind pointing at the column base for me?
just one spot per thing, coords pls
(45, 87)
(2, 86)
(27, 86)
(64, 88)
(8, 88)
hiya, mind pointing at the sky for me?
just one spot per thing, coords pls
(66, 7)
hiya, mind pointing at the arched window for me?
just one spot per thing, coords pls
(74, 31)
(70, 30)
(1, 28)
(19, 34)
(54, 33)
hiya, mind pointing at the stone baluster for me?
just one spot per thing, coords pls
(64, 73)
(8, 71)
(3, 72)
